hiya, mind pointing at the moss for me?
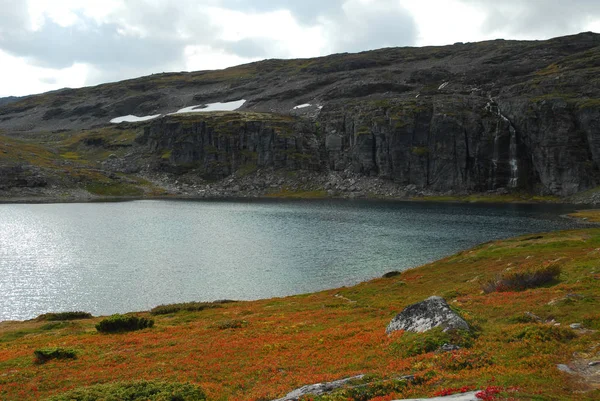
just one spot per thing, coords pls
(134, 391)
(166, 155)
(43, 355)
(419, 151)
(64, 316)
(363, 130)
(114, 189)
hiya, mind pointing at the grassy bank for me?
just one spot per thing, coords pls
(261, 350)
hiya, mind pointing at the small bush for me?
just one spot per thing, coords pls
(231, 324)
(391, 274)
(519, 281)
(187, 306)
(43, 355)
(119, 323)
(64, 316)
(412, 344)
(135, 391)
(542, 333)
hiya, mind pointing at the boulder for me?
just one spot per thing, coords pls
(424, 316)
(318, 389)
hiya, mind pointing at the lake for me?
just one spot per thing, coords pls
(106, 258)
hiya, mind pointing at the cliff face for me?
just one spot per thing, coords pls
(519, 116)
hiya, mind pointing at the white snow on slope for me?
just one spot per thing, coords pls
(132, 119)
(227, 106)
(302, 106)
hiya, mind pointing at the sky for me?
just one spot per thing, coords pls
(53, 44)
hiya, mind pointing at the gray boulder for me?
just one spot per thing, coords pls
(426, 315)
(318, 389)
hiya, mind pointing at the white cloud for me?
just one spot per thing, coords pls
(49, 44)
(206, 58)
(19, 78)
(446, 22)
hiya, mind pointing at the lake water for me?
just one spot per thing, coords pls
(105, 258)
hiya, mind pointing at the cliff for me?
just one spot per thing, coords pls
(472, 117)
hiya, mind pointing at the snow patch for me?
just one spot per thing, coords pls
(442, 86)
(227, 106)
(133, 119)
(302, 106)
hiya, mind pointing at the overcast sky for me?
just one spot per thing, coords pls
(52, 44)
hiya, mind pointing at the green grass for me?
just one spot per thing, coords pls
(114, 189)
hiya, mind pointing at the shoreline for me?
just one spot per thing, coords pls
(477, 198)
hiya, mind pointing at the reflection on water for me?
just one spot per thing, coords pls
(116, 257)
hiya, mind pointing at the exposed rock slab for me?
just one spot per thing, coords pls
(424, 316)
(456, 397)
(318, 389)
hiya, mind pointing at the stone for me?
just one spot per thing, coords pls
(318, 389)
(565, 368)
(576, 326)
(449, 348)
(470, 396)
(426, 315)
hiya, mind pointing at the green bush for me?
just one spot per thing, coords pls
(412, 344)
(134, 391)
(542, 333)
(43, 355)
(64, 316)
(119, 323)
(519, 281)
(232, 324)
(187, 306)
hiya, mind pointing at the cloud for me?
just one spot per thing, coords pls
(536, 19)
(371, 24)
(306, 12)
(106, 40)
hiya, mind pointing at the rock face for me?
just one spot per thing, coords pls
(426, 315)
(476, 117)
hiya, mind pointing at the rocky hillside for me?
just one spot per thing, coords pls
(502, 116)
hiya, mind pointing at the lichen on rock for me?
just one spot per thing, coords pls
(426, 315)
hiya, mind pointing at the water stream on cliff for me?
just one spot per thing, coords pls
(513, 161)
(118, 257)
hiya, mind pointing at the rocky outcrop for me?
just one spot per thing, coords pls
(318, 389)
(492, 116)
(424, 316)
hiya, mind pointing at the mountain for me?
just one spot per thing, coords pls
(501, 116)
(9, 99)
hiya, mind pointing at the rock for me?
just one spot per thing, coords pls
(534, 317)
(565, 368)
(594, 363)
(470, 396)
(449, 348)
(576, 326)
(318, 389)
(423, 316)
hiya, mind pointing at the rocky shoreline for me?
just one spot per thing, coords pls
(272, 184)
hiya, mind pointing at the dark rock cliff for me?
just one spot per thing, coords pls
(475, 117)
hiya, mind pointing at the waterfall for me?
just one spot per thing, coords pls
(513, 162)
